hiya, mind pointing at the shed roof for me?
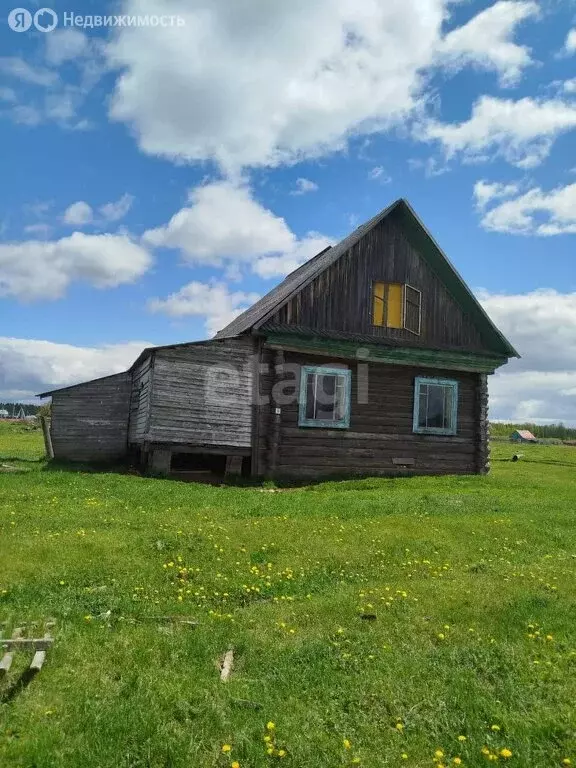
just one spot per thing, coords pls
(525, 434)
(262, 310)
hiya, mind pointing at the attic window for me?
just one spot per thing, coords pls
(396, 305)
(324, 397)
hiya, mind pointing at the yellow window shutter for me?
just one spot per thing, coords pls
(395, 301)
(378, 304)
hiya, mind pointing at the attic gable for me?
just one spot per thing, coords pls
(333, 291)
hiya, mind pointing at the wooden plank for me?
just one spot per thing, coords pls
(6, 661)
(39, 658)
(227, 664)
(26, 644)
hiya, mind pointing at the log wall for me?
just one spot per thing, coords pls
(380, 435)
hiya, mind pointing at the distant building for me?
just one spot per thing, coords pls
(4, 414)
(523, 436)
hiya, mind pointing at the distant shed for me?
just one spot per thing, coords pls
(523, 436)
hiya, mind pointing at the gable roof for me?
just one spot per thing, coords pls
(525, 434)
(256, 315)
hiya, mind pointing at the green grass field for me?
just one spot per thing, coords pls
(471, 656)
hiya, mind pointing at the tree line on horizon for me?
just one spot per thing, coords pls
(559, 431)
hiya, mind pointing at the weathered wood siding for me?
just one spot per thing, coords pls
(380, 429)
(340, 298)
(140, 401)
(203, 394)
(90, 421)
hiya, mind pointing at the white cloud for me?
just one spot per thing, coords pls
(323, 71)
(212, 301)
(64, 45)
(78, 214)
(40, 229)
(570, 44)
(379, 174)
(117, 210)
(522, 132)
(37, 269)
(81, 213)
(303, 186)
(14, 66)
(30, 366)
(484, 192)
(485, 41)
(523, 215)
(224, 224)
(542, 384)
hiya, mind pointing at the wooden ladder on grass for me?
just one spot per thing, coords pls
(19, 642)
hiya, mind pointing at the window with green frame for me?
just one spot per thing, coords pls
(324, 397)
(435, 406)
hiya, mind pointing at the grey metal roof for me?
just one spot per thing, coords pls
(297, 279)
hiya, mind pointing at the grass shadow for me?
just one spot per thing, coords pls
(19, 685)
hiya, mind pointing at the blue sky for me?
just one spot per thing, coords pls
(158, 179)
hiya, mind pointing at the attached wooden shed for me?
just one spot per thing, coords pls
(193, 398)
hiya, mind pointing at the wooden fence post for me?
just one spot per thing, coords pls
(47, 437)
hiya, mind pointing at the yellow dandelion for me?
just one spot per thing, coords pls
(281, 753)
(404, 756)
(495, 728)
(235, 764)
(440, 636)
(356, 761)
(270, 751)
(270, 726)
(438, 754)
(461, 738)
(457, 761)
(485, 751)
(566, 761)
(346, 744)
(399, 726)
(505, 752)
(226, 748)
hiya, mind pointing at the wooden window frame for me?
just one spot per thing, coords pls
(453, 428)
(346, 374)
(419, 292)
(404, 299)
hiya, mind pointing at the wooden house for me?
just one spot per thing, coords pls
(371, 358)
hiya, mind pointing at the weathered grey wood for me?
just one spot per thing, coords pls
(39, 658)
(6, 661)
(276, 416)
(380, 439)
(482, 426)
(47, 438)
(160, 460)
(202, 394)
(340, 298)
(26, 644)
(226, 669)
(233, 465)
(90, 421)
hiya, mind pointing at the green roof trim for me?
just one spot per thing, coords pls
(413, 356)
